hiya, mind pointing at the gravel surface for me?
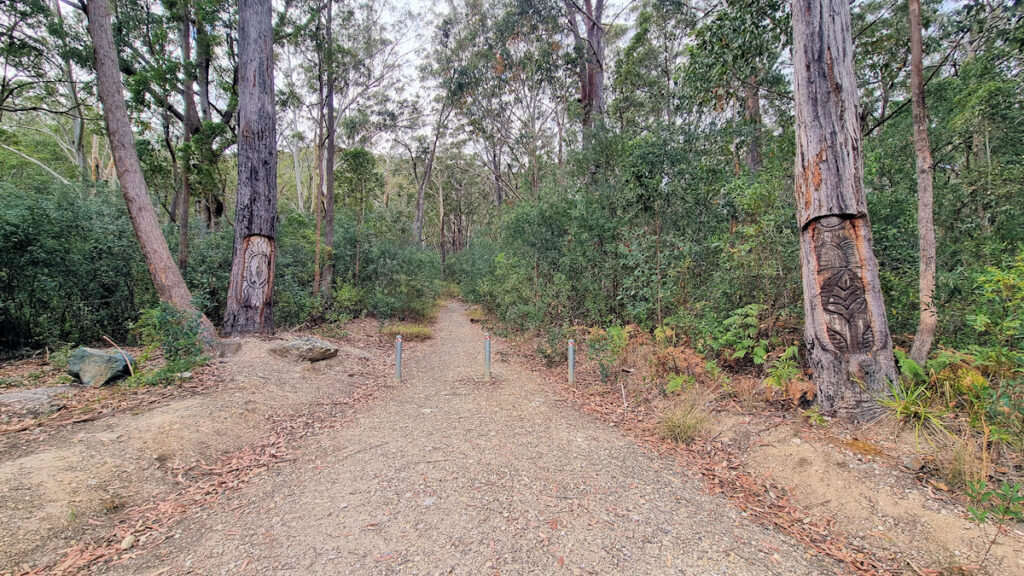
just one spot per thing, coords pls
(446, 474)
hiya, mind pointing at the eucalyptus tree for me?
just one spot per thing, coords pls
(929, 319)
(170, 285)
(251, 290)
(846, 329)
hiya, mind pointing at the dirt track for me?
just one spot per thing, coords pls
(445, 474)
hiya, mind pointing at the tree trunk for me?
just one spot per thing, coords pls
(250, 293)
(77, 119)
(595, 60)
(203, 60)
(846, 330)
(327, 191)
(925, 226)
(440, 232)
(170, 286)
(752, 115)
(191, 126)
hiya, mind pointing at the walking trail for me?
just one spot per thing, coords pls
(446, 474)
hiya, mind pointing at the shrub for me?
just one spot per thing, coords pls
(607, 346)
(688, 419)
(176, 333)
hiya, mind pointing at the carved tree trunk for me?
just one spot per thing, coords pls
(925, 226)
(250, 293)
(847, 332)
(170, 286)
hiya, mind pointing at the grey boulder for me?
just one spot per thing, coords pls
(309, 349)
(97, 367)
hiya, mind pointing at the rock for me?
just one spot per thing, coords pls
(228, 347)
(914, 463)
(128, 542)
(310, 349)
(97, 367)
(34, 402)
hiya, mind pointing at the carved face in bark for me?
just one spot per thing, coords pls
(256, 272)
(840, 277)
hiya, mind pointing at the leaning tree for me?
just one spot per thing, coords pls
(846, 330)
(251, 289)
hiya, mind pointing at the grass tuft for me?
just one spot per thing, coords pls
(409, 332)
(688, 419)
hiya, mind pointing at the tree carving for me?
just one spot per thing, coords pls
(840, 275)
(258, 270)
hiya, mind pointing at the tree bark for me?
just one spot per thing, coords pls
(190, 127)
(925, 226)
(170, 286)
(250, 293)
(846, 329)
(592, 69)
(327, 190)
(752, 115)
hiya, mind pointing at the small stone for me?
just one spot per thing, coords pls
(309, 349)
(128, 542)
(797, 441)
(914, 463)
(184, 375)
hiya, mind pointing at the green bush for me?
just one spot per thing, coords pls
(70, 268)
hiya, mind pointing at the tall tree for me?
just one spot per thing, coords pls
(326, 147)
(251, 289)
(191, 127)
(170, 285)
(846, 330)
(591, 41)
(925, 213)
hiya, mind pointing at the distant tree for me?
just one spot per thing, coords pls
(250, 292)
(846, 329)
(929, 318)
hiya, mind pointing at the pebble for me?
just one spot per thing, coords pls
(128, 542)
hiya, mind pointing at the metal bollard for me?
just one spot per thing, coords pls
(398, 357)
(572, 362)
(487, 356)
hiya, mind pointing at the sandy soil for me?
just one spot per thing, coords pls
(69, 484)
(446, 474)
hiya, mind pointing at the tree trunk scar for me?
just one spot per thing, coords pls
(841, 284)
(257, 271)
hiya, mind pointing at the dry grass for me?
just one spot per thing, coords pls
(476, 314)
(409, 332)
(688, 419)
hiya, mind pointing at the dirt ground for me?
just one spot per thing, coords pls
(280, 467)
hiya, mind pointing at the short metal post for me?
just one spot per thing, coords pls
(487, 356)
(398, 357)
(572, 362)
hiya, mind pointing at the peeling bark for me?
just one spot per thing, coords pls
(846, 329)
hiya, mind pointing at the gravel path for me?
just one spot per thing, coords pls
(444, 474)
